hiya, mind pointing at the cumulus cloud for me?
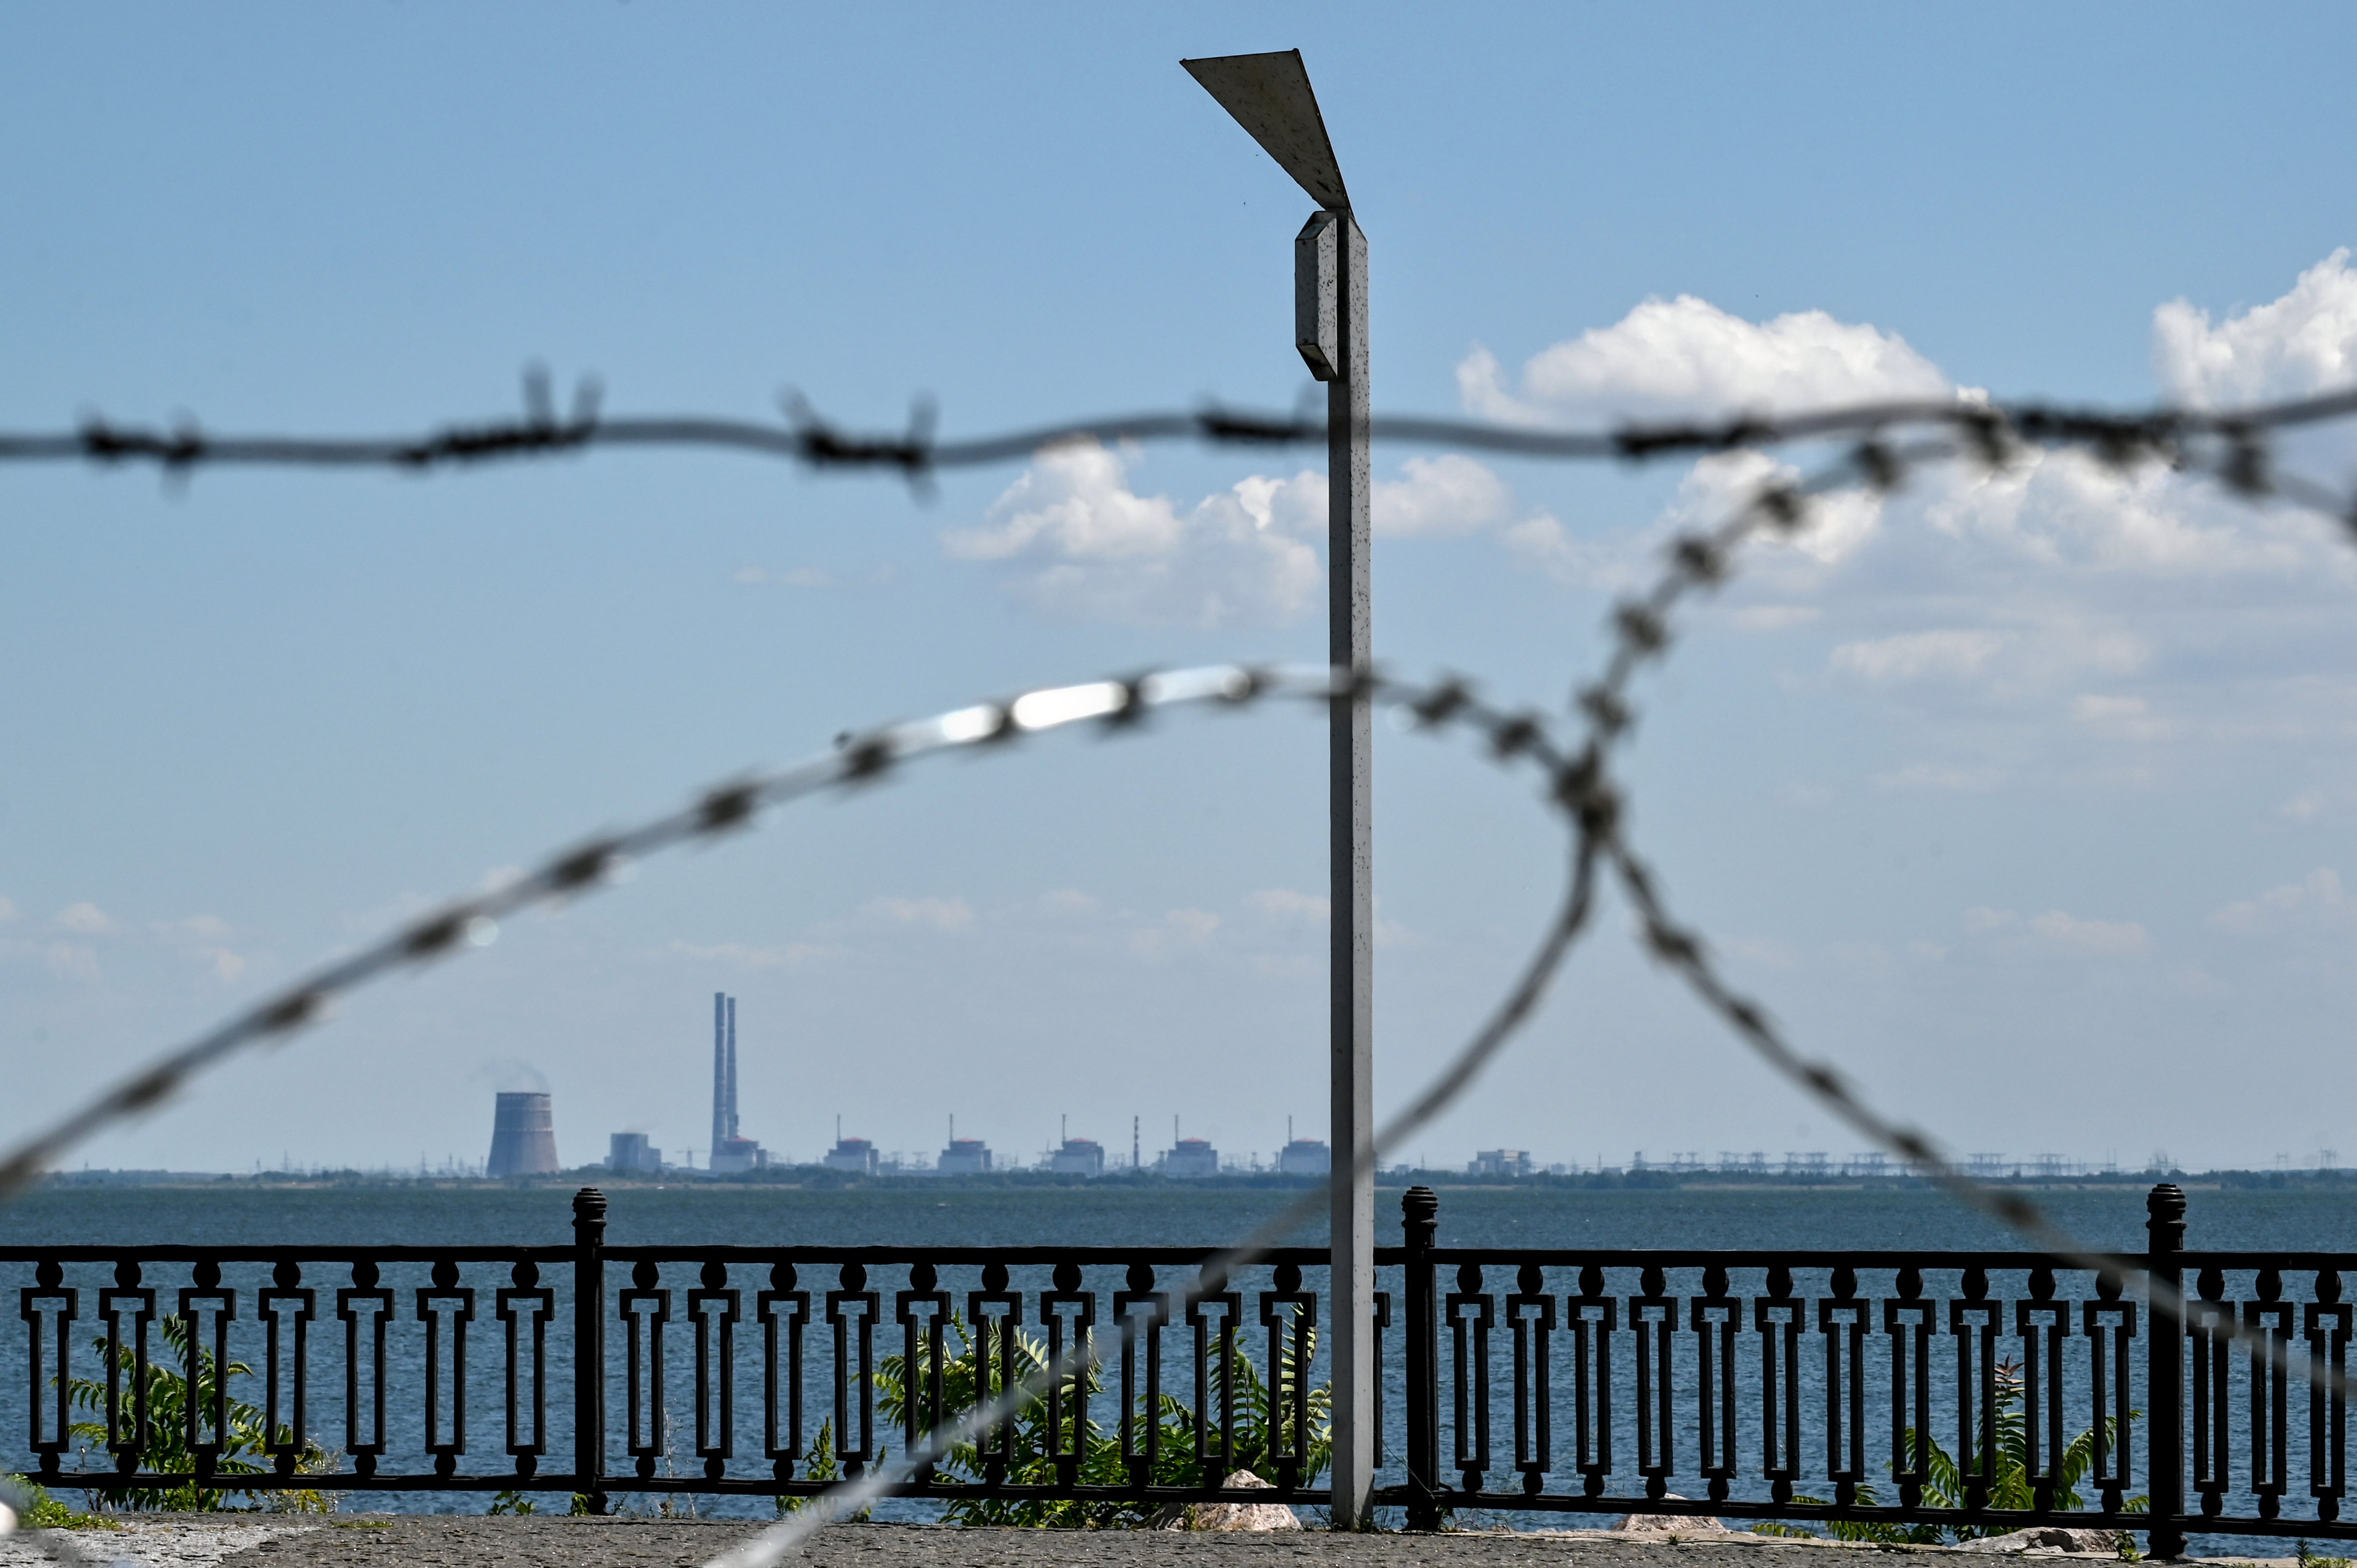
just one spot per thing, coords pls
(2111, 938)
(70, 961)
(741, 955)
(86, 919)
(933, 914)
(1686, 356)
(1918, 655)
(1081, 545)
(1179, 931)
(1286, 904)
(2302, 342)
(2108, 939)
(2318, 896)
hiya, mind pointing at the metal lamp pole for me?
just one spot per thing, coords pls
(1270, 97)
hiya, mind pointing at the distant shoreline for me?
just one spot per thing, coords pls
(808, 1179)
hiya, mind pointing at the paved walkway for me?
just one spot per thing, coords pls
(635, 1541)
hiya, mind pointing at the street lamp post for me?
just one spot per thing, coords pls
(1270, 97)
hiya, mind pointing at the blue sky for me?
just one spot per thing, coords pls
(2026, 797)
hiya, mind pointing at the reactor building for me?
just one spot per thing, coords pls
(524, 1137)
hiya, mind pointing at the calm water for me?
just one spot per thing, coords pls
(1113, 1215)
(234, 1213)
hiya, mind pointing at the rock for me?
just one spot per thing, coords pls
(2051, 1540)
(1669, 1523)
(1229, 1516)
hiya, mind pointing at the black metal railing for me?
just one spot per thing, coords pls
(1789, 1385)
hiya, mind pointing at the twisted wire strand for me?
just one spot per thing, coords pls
(2233, 447)
(2168, 432)
(860, 760)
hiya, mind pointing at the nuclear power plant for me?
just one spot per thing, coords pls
(524, 1137)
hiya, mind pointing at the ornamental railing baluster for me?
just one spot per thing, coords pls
(1289, 1308)
(855, 1365)
(364, 1292)
(1845, 1318)
(527, 1395)
(2110, 1327)
(921, 1354)
(715, 1368)
(126, 1446)
(1908, 1320)
(781, 1332)
(1717, 1319)
(1141, 1408)
(1470, 1312)
(2271, 1319)
(1215, 1370)
(1530, 1313)
(2328, 1325)
(205, 1452)
(2043, 1324)
(1653, 1322)
(1590, 1317)
(1975, 1318)
(1779, 1316)
(644, 1416)
(1067, 1398)
(995, 1341)
(286, 1370)
(445, 1288)
(48, 1286)
(2207, 1322)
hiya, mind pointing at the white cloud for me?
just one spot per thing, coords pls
(2127, 718)
(2303, 342)
(1443, 496)
(1918, 655)
(70, 961)
(1933, 776)
(1774, 618)
(740, 955)
(1068, 901)
(1085, 546)
(1686, 356)
(86, 919)
(934, 914)
(1177, 931)
(2318, 895)
(1982, 918)
(2111, 939)
(8, 910)
(1284, 903)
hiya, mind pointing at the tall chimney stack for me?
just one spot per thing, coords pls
(720, 1134)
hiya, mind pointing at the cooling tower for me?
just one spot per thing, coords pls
(524, 1137)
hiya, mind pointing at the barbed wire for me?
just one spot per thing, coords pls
(1892, 439)
(860, 760)
(2233, 442)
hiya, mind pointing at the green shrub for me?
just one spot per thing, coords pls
(245, 1451)
(2008, 1483)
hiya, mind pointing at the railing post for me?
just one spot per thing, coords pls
(590, 1345)
(2165, 1372)
(1420, 1220)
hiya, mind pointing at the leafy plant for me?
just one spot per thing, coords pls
(513, 1500)
(43, 1511)
(821, 1466)
(1945, 1483)
(169, 1393)
(1099, 1460)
